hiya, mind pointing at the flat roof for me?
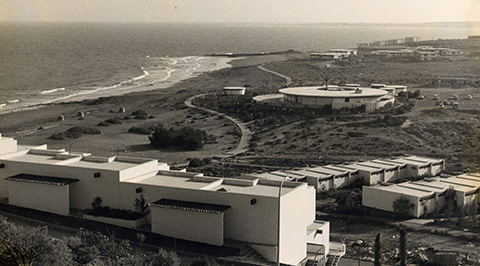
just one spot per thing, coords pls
(189, 206)
(328, 171)
(267, 188)
(40, 179)
(404, 190)
(82, 162)
(379, 165)
(322, 93)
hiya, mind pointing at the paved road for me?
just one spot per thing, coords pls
(246, 133)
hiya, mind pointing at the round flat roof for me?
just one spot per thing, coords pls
(321, 92)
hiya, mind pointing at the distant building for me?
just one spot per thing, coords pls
(338, 97)
(344, 52)
(426, 56)
(265, 215)
(404, 53)
(326, 56)
(234, 90)
(410, 40)
(455, 82)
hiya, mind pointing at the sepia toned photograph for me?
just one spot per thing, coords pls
(243, 133)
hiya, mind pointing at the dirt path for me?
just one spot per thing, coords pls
(246, 133)
(287, 78)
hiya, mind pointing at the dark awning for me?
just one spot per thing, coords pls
(189, 206)
(40, 179)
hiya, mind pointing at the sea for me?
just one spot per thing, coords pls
(43, 63)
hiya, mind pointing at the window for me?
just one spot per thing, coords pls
(347, 100)
(96, 175)
(253, 201)
(138, 190)
(2, 165)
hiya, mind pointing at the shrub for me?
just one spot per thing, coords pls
(115, 120)
(187, 138)
(85, 130)
(140, 130)
(140, 114)
(114, 213)
(66, 135)
(96, 202)
(196, 162)
(403, 206)
(141, 206)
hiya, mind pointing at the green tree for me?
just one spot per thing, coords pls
(403, 206)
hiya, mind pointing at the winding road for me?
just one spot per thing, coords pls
(242, 146)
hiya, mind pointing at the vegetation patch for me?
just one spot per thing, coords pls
(75, 133)
(187, 138)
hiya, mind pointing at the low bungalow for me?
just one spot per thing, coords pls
(426, 195)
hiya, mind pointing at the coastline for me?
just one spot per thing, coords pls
(154, 77)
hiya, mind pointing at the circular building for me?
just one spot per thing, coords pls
(338, 97)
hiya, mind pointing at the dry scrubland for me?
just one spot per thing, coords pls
(428, 130)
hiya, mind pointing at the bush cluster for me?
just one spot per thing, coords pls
(197, 162)
(75, 133)
(187, 138)
(141, 130)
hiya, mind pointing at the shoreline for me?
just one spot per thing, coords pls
(151, 79)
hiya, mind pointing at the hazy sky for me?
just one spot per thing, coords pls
(252, 11)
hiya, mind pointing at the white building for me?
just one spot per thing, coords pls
(338, 97)
(425, 195)
(372, 172)
(263, 214)
(234, 90)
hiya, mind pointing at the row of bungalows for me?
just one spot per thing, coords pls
(456, 81)
(370, 172)
(404, 53)
(333, 54)
(441, 51)
(427, 196)
(407, 40)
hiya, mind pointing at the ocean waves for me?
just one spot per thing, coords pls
(158, 73)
